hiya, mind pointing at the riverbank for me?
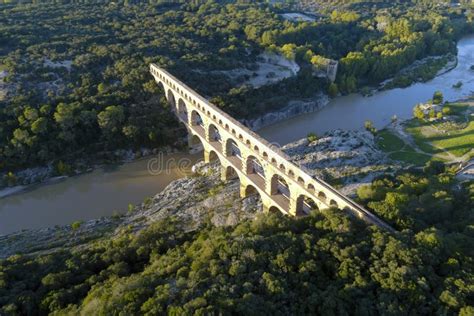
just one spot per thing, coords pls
(293, 109)
(193, 200)
(447, 136)
(422, 70)
(29, 178)
(345, 158)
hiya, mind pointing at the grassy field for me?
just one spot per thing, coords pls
(398, 150)
(411, 157)
(389, 142)
(455, 137)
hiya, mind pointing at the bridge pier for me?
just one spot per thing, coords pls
(207, 156)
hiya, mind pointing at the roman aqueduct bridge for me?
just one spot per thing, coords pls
(260, 167)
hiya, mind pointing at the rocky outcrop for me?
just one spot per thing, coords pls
(345, 158)
(294, 108)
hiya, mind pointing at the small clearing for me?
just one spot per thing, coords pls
(271, 68)
(298, 17)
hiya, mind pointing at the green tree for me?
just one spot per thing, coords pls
(111, 119)
(438, 97)
(418, 112)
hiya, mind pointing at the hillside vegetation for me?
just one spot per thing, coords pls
(78, 73)
(325, 263)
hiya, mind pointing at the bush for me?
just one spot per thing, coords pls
(312, 137)
(63, 168)
(370, 126)
(438, 97)
(418, 112)
(76, 225)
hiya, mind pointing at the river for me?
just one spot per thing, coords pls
(351, 111)
(109, 190)
(103, 192)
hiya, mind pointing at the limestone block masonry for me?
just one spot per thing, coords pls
(260, 166)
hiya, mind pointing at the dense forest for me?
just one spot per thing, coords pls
(78, 76)
(79, 81)
(326, 263)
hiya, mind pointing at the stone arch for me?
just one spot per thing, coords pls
(247, 142)
(232, 148)
(333, 203)
(274, 161)
(322, 196)
(214, 134)
(252, 192)
(256, 148)
(301, 181)
(196, 119)
(162, 87)
(279, 186)
(291, 173)
(171, 100)
(195, 144)
(213, 156)
(311, 188)
(265, 155)
(275, 210)
(231, 173)
(304, 205)
(182, 111)
(282, 167)
(254, 166)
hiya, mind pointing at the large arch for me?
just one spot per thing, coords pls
(254, 166)
(214, 157)
(279, 186)
(231, 173)
(304, 205)
(274, 210)
(253, 193)
(171, 100)
(195, 144)
(232, 149)
(182, 111)
(162, 87)
(196, 119)
(214, 134)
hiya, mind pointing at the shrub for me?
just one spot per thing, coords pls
(76, 225)
(370, 126)
(312, 137)
(438, 97)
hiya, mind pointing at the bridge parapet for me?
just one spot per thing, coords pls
(282, 184)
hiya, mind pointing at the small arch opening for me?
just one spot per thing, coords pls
(322, 196)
